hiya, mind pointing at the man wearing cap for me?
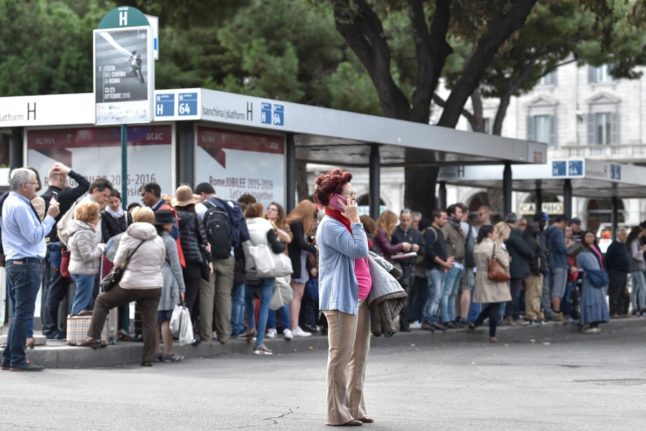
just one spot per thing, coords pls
(577, 232)
(23, 240)
(520, 255)
(215, 294)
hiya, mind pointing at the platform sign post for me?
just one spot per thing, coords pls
(124, 74)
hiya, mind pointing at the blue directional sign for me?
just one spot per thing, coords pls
(187, 104)
(279, 115)
(575, 168)
(615, 172)
(165, 105)
(558, 168)
(265, 113)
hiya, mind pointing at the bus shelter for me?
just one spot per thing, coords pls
(238, 143)
(567, 177)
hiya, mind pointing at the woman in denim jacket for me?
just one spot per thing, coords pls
(344, 285)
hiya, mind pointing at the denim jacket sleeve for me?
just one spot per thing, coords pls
(353, 245)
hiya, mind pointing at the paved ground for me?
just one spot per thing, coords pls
(568, 383)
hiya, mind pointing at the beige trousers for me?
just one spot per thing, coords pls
(215, 301)
(533, 292)
(349, 344)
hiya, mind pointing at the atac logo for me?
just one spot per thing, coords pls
(273, 114)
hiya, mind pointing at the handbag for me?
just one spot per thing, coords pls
(269, 264)
(598, 277)
(113, 278)
(283, 293)
(65, 262)
(496, 271)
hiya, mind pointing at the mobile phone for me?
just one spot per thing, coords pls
(334, 202)
(54, 197)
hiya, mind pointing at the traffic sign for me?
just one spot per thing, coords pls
(187, 104)
(165, 105)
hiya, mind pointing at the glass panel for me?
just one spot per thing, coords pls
(543, 128)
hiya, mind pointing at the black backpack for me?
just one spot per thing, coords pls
(219, 231)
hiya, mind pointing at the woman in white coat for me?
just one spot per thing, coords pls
(490, 292)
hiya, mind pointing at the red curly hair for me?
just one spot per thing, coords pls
(330, 183)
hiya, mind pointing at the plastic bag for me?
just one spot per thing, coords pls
(185, 328)
(175, 320)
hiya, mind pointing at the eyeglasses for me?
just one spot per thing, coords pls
(351, 195)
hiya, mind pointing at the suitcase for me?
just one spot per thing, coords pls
(77, 327)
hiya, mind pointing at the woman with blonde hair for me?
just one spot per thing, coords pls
(278, 219)
(386, 224)
(85, 253)
(142, 281)
(301, 221)
(490, 292)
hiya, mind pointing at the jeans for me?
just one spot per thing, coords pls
(474, 308)
(418, 298)
(512, 308)
(568, 304)
(435, 284)
(23, 281)
(237, 309)
(449, 292)
(12, 299)
(616, 289)
(266, 289)
(284, 317)
(491, 311)
(56, 290)
(545, 297)
(638, 295)
(558, 282)
(83, 293)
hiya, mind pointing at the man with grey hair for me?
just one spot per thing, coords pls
(23, 239)
(405, 233)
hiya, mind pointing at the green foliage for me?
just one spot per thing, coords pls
(46, 46)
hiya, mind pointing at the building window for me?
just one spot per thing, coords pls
(542, 128)
(488, 125)
(548, 79)
(599, 74)
(603, 128)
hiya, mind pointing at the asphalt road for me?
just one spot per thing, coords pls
(588, 384)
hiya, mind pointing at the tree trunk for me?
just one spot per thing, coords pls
(419, 193)
(500, 114)
(477, 125)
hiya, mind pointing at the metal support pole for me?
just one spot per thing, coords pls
(124, 166)
(375, 181)
(16, 155)
(567, 199)
(614, 216)
(506, 188)
(539, 197)
(442, 195)
(185, 152)
(290, 175)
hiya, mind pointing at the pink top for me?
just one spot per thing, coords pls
(362, 271)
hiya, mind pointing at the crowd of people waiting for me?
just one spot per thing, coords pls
(193, 248)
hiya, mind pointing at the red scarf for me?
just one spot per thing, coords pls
(339, 217)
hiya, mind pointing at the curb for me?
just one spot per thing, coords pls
(128, 353)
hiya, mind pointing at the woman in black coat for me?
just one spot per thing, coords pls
(193, 239)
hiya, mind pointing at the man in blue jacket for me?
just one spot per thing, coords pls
(557, 266)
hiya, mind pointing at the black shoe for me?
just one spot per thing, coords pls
(6, 366)
(54, 335)
(404, 329)
(472, 326)
(324, 331)
(27, 367)
(146, 364)
(310, 328)
(438, 327)
(427, 327)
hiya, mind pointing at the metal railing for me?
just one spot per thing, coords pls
(618, 152)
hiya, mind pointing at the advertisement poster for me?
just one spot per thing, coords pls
(235, 163)
(123, 75)
(96, 152)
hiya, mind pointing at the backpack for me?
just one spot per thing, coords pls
(219, 231)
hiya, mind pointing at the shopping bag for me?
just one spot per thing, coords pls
(283, 293)
(174, 320)
(185, 328)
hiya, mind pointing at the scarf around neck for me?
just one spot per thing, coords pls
(116, 214)
(339, 217)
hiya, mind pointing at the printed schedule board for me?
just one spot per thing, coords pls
(236, 162)
(123, 75)
(95, 152)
